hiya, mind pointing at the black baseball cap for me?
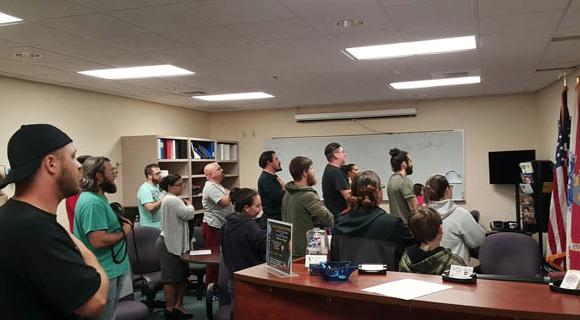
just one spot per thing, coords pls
(28, 146)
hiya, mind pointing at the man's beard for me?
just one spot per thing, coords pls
(68, 184)
(409, 170)
(156, 180)
(278, 169)
(108, 187)
(311, 180)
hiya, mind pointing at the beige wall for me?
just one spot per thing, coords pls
(94, 121)
(490, 123)
(97, 121)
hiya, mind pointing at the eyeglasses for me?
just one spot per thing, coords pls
(179, 184)
(112, 171)
(156, 173)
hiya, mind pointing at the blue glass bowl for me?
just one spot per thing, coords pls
(335, 271)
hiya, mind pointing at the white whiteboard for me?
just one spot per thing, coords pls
(439, 152)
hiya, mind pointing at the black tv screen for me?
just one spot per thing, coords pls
(504, 165)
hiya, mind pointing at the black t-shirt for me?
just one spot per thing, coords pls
(271, 193)
(334, 180)
(42, 272)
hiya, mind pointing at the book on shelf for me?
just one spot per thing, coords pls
(173, 149)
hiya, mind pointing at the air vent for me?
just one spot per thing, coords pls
(568, 38)
(190, 93)
(455, 74)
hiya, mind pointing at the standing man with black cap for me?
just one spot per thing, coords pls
(46, 272)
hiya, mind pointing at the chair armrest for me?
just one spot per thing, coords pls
(212, 288)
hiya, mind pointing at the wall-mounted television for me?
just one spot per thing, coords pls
(504, 165)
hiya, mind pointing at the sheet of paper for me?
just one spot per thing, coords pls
(407, 289)
(199, 252)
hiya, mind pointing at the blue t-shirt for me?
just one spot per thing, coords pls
(93, 213)
(146, 194)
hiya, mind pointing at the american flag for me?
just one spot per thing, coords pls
(556, 253)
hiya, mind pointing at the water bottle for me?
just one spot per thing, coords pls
(316, 241)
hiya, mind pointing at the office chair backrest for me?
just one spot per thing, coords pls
(144, 259)
(509, 253)
(360, 250)
(223, 284)
(199, 241)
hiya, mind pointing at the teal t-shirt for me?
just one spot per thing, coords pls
(93, 213)
(148, 193)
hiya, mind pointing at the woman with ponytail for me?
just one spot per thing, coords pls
(366, 233)
(243, 242)
(460, 231)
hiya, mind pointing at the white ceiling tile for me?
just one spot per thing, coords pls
(366, 38)
(66, 77)
(329, 7)
(540, 80)
(439, 31)
(274, 30)
(164, 18)
(189, 57)
(29, 10)
(153, 83)
(142, 42)
(372, 19)
(228, 12)
(533, 23)
(32, 33)
(209, 36)
(91, 25)
(122, 4)
(81, 48)
(237, 51)
(8, 44)
(124, 60)
(563, 52)
(432, 13)
(22, 68)
(570, 24)
(388, 3)
(489, 8)
(503, 50)
(71, 65)
(301, 46)
(8, 53)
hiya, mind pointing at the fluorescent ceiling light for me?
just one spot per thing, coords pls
(166, 70)
(4, 18)
(235, 96)
(435, 83)
(404, 49)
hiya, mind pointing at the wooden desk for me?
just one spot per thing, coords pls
(259, 295)
(210, 259)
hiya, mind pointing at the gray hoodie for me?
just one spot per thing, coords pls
(460, 231)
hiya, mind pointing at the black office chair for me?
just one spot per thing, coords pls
(145, 265)
(219, 289)
(198, 269)
(128, 309)
(362, 250)
(510, 253)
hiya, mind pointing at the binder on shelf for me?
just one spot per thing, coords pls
(227, 151)
(194, 153)
(182, 149)
(234, 152)
(160, 149)
(218, 153)
(173, 147)
(207, 154)
(211, 150)
(167, 149)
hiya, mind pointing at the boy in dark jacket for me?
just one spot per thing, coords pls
(429, 257)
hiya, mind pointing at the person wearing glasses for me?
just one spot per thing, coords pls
(149, 198)
(100, 230)
(172, 242)
(460, 230)
(365, 233)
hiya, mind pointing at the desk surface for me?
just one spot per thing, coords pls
(487, 297)
(211, 259)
